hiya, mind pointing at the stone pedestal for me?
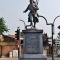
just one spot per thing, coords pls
(33, 45)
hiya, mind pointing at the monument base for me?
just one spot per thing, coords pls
(33, 45)
(33, 57)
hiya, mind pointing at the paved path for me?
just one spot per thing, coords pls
(8, 58)
(49, 58)
(55, 58)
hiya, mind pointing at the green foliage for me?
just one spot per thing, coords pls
(21, 33)
(3, 27)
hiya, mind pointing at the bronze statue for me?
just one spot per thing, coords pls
(33, 15)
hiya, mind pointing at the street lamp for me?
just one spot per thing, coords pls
(52, 27)
(24, 23)
(20, 34)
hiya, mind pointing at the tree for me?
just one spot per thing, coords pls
(3, 27)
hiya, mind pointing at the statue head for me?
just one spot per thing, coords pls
(33, 1)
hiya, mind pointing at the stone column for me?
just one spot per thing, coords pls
(33, 45)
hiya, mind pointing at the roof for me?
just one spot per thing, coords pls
(8, 39)
(13, 36)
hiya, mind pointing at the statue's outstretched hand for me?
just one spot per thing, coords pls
(24, 12)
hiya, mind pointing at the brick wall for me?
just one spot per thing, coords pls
(7, 49)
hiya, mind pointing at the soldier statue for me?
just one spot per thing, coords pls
(33, 15)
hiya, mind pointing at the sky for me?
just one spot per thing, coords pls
(12, 12)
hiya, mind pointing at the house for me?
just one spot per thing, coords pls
(8, 46)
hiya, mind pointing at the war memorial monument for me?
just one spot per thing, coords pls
(33, 41)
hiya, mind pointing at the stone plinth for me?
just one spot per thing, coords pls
(33, 45)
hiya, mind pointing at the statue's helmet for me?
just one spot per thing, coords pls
(33, 0)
